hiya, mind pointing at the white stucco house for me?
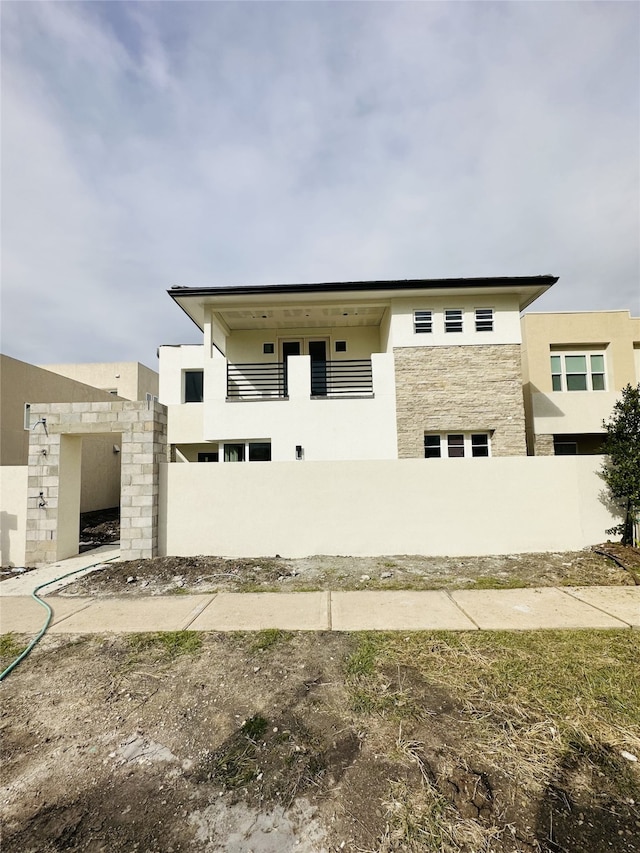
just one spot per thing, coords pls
(366, 370)
(367, 418)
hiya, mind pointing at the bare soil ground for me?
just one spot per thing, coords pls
(171, 575)
(276, 743)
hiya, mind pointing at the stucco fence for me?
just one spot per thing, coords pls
(432, 507)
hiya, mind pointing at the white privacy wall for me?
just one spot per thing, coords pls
(414, 506)
(13, 514)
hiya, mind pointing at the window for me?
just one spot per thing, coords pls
(422, 322)
(432, 447)
(456, 445)
(578, 372)
(341, 346)
(563, 446)
(27, 415)
(193, 386)
(268, 349)
(484, 319)
(234, 452)
(151, 398)
(252, 451)
(453, 320)
(209, 456)
(259, 451)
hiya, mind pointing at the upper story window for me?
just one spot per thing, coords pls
(484, 319)
(193, 386)
(578, 372)
(453, 320)
(456, 445)
(422, 322)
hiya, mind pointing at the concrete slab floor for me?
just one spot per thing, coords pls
(237, 611)
(529, 609)
(621, 602)
(397, 611)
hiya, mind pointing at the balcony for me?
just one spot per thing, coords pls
(268, 381)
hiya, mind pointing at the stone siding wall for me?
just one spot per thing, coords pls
(460, 389)
(141, 430)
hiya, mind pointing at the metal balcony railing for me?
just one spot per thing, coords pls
(349, 378)
(264, 381)
(256, 381)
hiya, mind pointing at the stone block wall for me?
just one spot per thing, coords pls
(543, 445)
(141, 430)
(460, 389)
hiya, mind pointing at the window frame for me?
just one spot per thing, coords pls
(249, 448)
(484, 319)
(185, 373)
(438, 445)
(451, 322)
(561, 377)
(423, 322)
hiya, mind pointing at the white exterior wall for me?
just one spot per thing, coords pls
(327, 429)
(506, 321)
(173, 362)
(13, 514)
(572, 411)
(454, 507)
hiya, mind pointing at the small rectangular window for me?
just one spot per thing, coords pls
(422, 322)
(193, 386)
(597, 372)
(432, 447)
(453, 320)
(484, 319)
(259, 451)
(234, 452)
(479, 444)
(564, 447)
(268, 349)
(455, 446)
(341, 346)
(27, 415)
(556, 372)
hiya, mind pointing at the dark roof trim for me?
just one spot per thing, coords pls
(343, 286)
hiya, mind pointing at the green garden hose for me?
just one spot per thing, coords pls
(44, 604)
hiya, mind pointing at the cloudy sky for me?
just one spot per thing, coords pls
(151, 144)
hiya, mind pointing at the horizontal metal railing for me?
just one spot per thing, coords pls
(259, 381)
(256, 381)
(353, 377)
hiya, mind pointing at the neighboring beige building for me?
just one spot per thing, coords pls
(127, 379)
(574, 366)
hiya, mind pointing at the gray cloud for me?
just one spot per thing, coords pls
(151, 144)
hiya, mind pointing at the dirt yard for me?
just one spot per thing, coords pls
(181, 575)
(275, 743)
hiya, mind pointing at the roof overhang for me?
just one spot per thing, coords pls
(338, 303)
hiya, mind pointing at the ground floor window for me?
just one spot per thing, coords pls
(252, 451)
(457, 445)
(583, 444)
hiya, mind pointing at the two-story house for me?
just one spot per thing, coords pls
(366, 370)
(575, 364)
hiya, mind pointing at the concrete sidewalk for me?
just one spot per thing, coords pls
(462, 610)
(25, 583)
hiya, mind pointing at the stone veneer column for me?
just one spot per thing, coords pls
(143, 427)
(460, 389)
(543, 445)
